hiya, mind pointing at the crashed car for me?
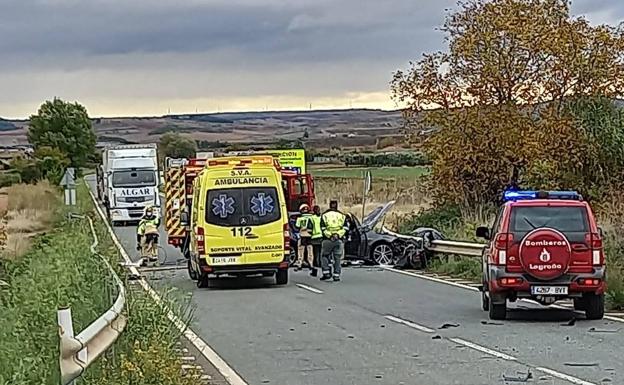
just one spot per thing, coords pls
(372, 243)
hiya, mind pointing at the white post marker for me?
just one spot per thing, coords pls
(368, 180)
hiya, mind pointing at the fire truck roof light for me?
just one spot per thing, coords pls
(515, 195)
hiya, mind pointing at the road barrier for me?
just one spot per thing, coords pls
(453, 247)
(78, 352)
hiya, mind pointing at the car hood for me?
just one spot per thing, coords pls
(375, 216)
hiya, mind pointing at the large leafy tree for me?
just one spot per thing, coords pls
(174, 145)
(503, 93)
(63, 126)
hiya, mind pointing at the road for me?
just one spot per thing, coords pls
(380, 327)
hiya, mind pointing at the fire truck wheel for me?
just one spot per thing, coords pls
(192, 274)
(281, 277)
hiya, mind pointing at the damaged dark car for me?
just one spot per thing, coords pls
(371, 242)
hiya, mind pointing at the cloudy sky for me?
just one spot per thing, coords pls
(145, 57)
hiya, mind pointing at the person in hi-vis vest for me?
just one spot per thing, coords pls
(334, 227)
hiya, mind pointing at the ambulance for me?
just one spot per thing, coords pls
(238, 222)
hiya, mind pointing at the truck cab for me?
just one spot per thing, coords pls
(128, 181)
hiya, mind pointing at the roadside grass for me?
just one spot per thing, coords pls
(58, 270)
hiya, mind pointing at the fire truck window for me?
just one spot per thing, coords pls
(301, 187)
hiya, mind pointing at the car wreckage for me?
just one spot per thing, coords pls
(373, 243)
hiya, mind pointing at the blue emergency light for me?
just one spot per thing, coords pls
(515, 195)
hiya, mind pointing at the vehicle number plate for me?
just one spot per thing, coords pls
(222, 260)
(549, 290)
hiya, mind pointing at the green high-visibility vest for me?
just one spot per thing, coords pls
(334, 222)
(316, 229)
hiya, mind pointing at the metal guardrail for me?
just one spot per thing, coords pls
(470, 249)
(453, 247)
(78, 352)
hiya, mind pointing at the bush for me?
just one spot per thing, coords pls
(9, 178)
(395, 159)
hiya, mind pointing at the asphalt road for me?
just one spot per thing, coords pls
(381, 327)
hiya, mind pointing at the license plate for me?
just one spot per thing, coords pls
(549, 290)
(222, 260)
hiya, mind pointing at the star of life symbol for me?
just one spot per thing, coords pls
(223, 206)
(544, 256)
(262, 204)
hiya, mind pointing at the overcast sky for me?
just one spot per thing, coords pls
(144, 57)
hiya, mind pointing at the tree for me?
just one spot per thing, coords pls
(174, 145)
(500, 96)
(66, 127)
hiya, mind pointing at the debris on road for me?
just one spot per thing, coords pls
(581, 364)
(571, 322)
(596, 330)
(448, 325)
(523, 378)
(436, 338)
(491, 323)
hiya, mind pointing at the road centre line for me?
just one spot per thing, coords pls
(309, 288)
(226, 371)
(472, 288)
(409, 324)
(483, 349)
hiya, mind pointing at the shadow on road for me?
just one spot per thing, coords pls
(237, 283)
(542, 315)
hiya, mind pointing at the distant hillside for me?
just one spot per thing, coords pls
(6, 125)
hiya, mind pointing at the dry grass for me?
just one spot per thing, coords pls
(29, 210)
(408, 193)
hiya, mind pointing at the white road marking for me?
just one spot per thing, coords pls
(483, 349)
(409, 323)
(564, 376)
(228, 373)
(433, 279)
(472, 288)
(309, 288)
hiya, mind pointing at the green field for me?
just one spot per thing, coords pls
(377, 172)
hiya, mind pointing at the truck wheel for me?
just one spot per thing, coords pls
(497, 311)
(281, 277)
(192, 273)
(594, 306)
(580, 304)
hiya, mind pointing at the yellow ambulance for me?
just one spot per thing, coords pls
(238, 220)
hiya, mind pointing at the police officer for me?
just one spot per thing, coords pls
(317, 240)
(334, 227)
(148, 228)
(305, 226)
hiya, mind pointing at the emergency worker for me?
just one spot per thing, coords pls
(305, 226)
(147, 234)
(317, 240)
(334, 227)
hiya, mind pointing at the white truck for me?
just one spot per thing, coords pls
(128, 180)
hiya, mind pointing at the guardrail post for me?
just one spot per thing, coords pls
(66, 331)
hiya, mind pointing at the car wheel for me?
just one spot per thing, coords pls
(579, 304)
(594, 306)
(192, 273)
(382, 254)
(281, 277)
(497, 311)
(485, 302)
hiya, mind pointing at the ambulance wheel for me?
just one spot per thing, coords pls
(192, 273)
(203, 281)
(281, 277)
